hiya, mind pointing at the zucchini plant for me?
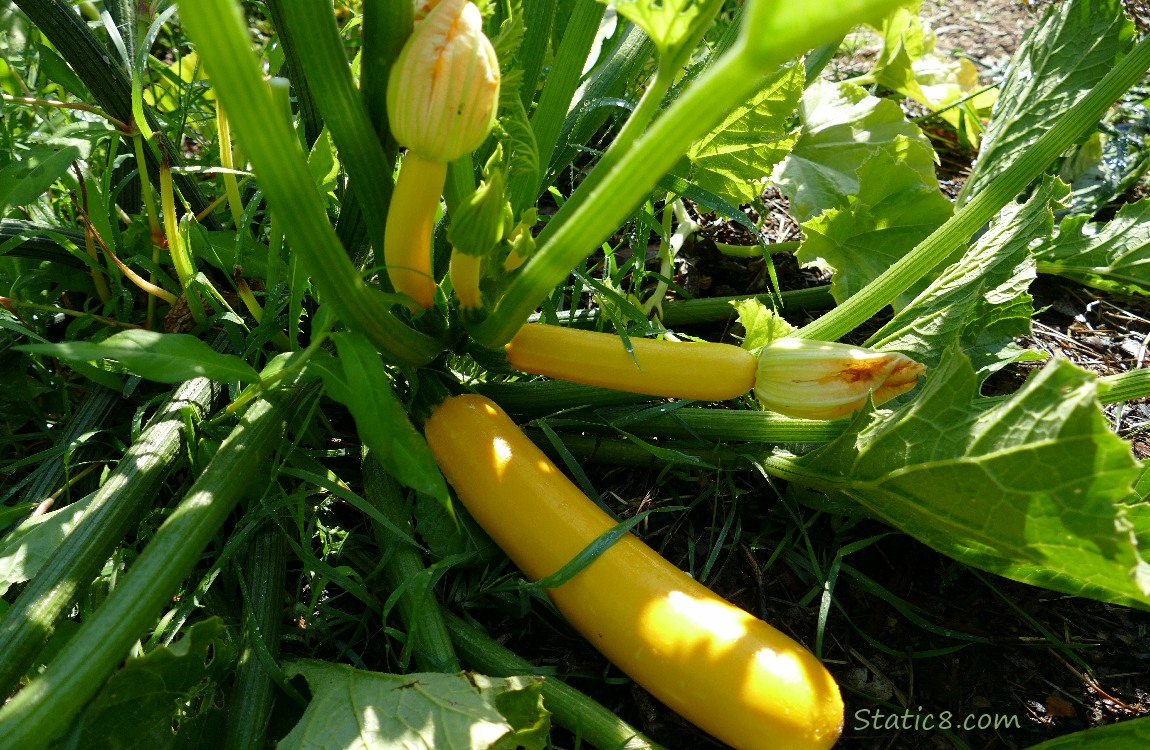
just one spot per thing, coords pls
(258, 448)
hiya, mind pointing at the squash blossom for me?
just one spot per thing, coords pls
(820, 380)
(442, 97)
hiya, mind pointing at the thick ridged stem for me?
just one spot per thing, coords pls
(418, 609)
(44, 709)
(31, 620)
(254, 690)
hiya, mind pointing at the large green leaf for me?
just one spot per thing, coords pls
(163, 357)
(1074, 45)
(376, 711)
(982, 300)
(1113, 255)
(1031, 486)
(842, 126)
(892, 210)
(735, 158)
(140, 704)
(359, 381)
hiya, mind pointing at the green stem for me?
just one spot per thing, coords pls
(344, 110)
(404, 570)
(570, 708)
(45, 709)
(31, 620)
(980, 209)
(87, 419)
(306, 106)
(635, 175)
(622, 143)
(253, 692)
(710, 425)
(756, 251)
(554, 102)
(612, 452)
(220, 32)
(610, 82)
(772, 35)
(1124, 386)
(711, 309)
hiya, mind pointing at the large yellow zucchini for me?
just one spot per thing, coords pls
(719, 667)
(670, 369)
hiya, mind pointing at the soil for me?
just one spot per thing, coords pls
(931, 655)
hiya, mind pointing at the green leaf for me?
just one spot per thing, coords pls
(762, 324)
(55, 69)
(324, 164)
(361, 383)
(893, 210)
(163, 357)
(1113, 255)
(138, 705)
(1074, 45)
(903, 42)
(1030, 487)
(670, 24)
(25, 549)
(735, 158)
(909, 65)
(1122, 736)
(982, 300)
(376, 711)
(26, 181)
(227, 249)
(10, 514)
(842, 125)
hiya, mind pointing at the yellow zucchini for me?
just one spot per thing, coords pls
(669, 369)
(719, 667)
(410, 221)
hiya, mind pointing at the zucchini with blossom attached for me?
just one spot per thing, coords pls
(791, 376)
(442, 94)
(721, 668)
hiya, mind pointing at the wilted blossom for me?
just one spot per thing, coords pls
(820, 380)
(444, 87)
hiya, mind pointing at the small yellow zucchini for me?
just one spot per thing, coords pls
(669, 369)
(726, 671)
(410, 221)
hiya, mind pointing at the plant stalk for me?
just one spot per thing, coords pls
(31, 620)
(733, 78)
(570, 708)
(253, 694)
(404, 570)
(981, 208)
(46, 708)
(220, 32)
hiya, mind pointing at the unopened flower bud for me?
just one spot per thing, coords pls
(479, 220)
(444, 87)
(819, 380)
